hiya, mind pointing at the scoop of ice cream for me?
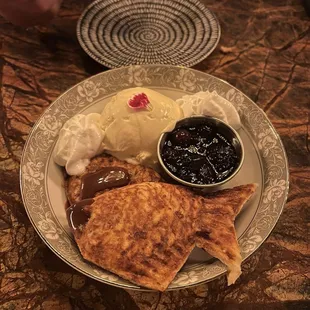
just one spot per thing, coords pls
(79, 140)
(132, 127)
(211, 104)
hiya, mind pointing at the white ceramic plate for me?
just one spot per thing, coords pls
(265, 163)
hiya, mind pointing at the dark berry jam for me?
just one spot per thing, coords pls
(199, 154)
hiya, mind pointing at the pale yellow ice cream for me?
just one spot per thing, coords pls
(132, 134)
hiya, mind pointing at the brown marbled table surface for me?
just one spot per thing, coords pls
(264, 51)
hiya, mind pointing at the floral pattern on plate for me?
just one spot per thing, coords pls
(42, 139)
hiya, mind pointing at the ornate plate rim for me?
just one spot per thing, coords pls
(221, 270)
(106, 64)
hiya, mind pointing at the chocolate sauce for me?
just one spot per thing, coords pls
(199, 154)
(105, 178)
(78, 215)
(109, 177)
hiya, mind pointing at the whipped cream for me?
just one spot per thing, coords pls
(210, 104)
(79, 140)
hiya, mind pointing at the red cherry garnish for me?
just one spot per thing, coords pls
(139, 101)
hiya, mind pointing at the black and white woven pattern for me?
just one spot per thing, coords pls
(124, 32)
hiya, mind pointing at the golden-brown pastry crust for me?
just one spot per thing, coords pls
(145, 232)
(214, 226)
(141, 232)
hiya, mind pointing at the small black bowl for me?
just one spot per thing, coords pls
(227, 131)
